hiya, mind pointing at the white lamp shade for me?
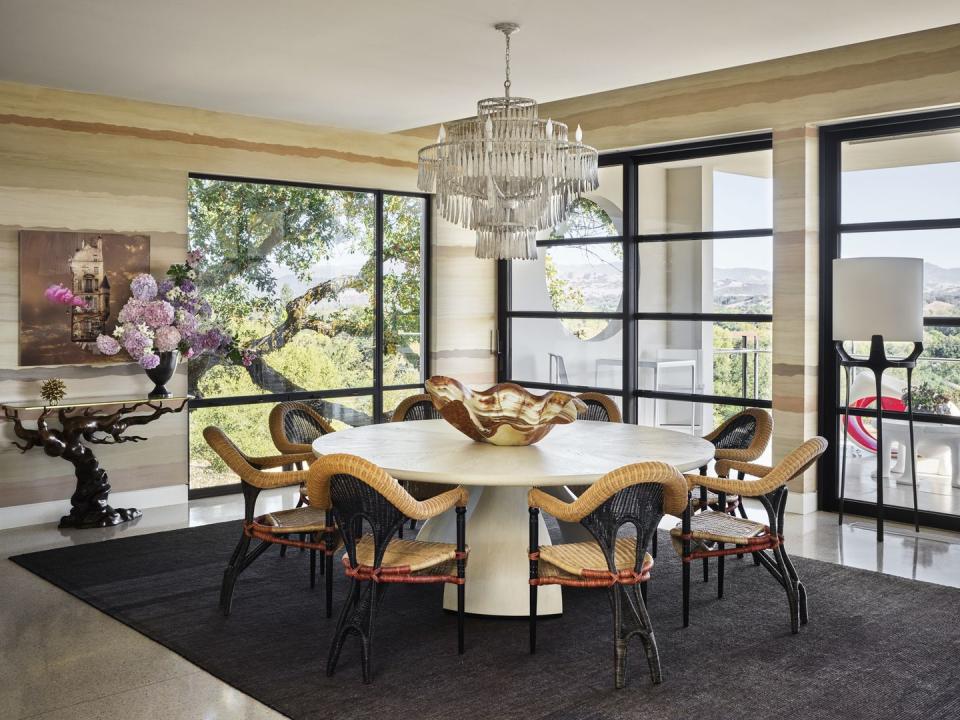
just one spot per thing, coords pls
(878, 296)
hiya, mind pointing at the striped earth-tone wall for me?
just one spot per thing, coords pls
(789, 96)
(70, 161)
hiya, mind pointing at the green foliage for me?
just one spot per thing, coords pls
(275, 270)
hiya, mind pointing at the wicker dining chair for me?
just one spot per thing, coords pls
(312, 523)
(707, 533)
(635, 494)
(294, 426)
(361, 493)
(600, 408)
(418, 407)
(743, 437)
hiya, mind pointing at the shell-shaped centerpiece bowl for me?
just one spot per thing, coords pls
(505, 414)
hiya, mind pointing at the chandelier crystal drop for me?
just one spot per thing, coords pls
(506, 173)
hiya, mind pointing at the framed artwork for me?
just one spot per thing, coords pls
(72, 285)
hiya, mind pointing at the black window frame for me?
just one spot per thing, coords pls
(377, 389)
(831, 139)
(630, 315)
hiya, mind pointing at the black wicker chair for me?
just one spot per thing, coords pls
(365, 497)
(714, 533)
(312, 524)
(294, 426)
(600, 408)
(418, 407)
(743, 437)
(633, 495)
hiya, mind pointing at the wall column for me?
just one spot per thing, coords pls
(795, 301)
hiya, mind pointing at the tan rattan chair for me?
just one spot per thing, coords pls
(312, 523)
(742, 437)
(707, 533)
(600, 408)
(636, 494)
(294, 426)
(418, 407)
(360, 493)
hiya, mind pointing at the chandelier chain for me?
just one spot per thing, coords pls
(506, 82)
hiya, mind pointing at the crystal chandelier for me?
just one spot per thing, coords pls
(506, 173)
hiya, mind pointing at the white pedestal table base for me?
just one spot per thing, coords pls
(498, 570)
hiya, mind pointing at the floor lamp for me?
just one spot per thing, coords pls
(880, 299)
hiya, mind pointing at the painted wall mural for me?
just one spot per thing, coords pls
(72, 285)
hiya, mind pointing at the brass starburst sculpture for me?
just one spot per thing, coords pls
(53, 390)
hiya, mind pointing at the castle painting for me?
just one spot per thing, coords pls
(97, 268)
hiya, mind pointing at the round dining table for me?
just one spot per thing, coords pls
(498, 479)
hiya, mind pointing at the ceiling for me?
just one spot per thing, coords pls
(386, 65)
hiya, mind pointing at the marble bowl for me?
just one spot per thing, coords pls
(505, 414)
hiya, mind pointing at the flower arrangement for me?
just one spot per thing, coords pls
(170, 316)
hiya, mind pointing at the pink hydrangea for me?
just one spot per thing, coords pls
(132, 312)
(158, 313)
(166, 339)
(148, 361)
(143, 287)
(107, 345)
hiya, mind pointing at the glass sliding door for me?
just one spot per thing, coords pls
(657, 290)
(891, 191)
(325, 285)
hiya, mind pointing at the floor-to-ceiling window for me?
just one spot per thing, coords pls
(326, 286)
(657, 288)
(891, 187)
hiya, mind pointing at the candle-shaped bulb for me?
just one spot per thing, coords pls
(579, 134)
(442, 135)
(549, 128)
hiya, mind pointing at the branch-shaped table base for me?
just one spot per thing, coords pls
(82, 426)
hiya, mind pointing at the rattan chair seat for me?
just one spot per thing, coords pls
(409, 557)
(585, 559)
(712, 498)
(711, 526)
(306, 519)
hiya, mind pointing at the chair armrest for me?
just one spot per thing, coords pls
(273, 461)
(431, 507)
(561, 510)
(745, 455)
(724, 467)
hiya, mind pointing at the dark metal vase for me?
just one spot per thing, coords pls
(162, 373)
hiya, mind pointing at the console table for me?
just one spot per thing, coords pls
(82, 423)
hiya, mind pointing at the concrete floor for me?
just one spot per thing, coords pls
(60, 658)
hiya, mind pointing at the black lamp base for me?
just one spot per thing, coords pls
(878, 362)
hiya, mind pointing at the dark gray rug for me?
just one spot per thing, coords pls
(876, 646)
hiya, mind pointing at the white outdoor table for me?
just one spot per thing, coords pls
(498, 479)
